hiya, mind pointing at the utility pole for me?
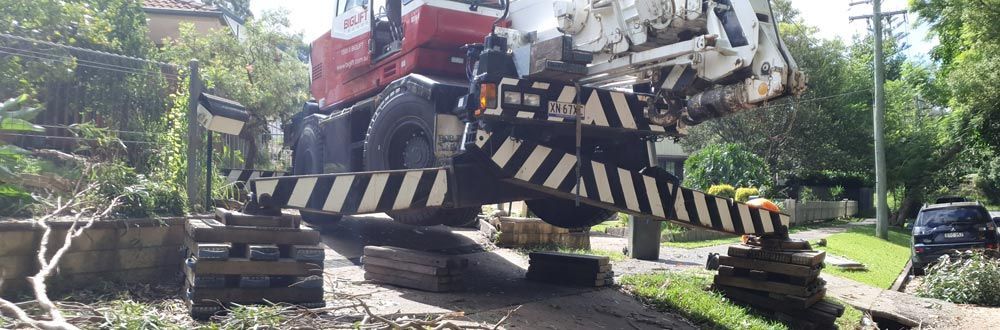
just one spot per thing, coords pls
(881, 183)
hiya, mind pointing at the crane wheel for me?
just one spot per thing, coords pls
(308, 159)
(565, 213)
(401, 136)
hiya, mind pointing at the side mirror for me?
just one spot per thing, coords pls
(221, 115)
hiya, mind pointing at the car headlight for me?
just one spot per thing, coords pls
(511, 98)
(532, 100)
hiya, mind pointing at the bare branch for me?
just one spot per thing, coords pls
(504, 319)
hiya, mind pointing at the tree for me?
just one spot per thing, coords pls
(827, 129)
(968, 80)
(262, 71)
(730, 164)
(74, 85)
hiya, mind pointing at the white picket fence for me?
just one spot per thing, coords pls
(813, 211)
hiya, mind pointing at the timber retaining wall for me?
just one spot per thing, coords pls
(142, 251)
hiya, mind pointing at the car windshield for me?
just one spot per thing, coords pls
(951, 215)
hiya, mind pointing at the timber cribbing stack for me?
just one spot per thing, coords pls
(781, 278)
(414, 269)
(249, 259)
(570, 269)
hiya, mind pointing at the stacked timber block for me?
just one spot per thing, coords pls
(782, 280)
(570, 269)
(414, 269)
(248, 259)
(529, 232)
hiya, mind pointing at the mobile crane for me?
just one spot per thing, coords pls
(428, 109)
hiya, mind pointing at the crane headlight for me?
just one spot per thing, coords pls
(512, 98)
(532, 100)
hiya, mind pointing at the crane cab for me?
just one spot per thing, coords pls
(373, 43)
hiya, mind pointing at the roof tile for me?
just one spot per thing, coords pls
(179, 5)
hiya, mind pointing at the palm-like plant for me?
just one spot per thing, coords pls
(14, 118)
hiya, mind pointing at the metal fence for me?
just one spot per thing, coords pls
(125, 95)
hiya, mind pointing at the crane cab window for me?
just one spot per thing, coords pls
(344, 5)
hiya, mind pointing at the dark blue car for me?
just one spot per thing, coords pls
(949, 227)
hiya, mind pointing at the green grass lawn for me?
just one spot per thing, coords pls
(736, 239)
(884, 259)
(605, 225)
(688, 294)
(701, 244)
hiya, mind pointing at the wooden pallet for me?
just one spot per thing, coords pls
(569, 269)
(246, 259)
(212, 231)
(781, 279)
(414, 269)
(820, 314)
(233, 218)
(803, 258)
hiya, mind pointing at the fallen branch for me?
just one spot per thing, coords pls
(47, 265)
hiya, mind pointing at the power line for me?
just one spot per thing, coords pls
(78, 60)
(70, 128)
(71, 138)
(149, 73)
(85, 50)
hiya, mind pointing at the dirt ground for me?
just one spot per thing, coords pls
(494, 282)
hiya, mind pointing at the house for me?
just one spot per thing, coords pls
(670, 156)
(164, 18)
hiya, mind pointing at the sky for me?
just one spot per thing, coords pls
(314, 17)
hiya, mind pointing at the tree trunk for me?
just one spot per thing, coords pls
(909, 206)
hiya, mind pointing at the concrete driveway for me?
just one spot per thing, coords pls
(494, 282)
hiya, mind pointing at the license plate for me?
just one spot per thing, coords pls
(954, 235)
(564, 110)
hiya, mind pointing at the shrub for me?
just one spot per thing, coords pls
(722, 190)
(743, 194)
(968, 278)
(151, 198)
(622, 219)
(127, 314)
(807, 194)
(837, 192)
(987, 181)
(730, 163)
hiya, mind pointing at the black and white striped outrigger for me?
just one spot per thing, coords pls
(355, 193)
(234, 176)
(602, 108)
(539, 167)
(535, 167)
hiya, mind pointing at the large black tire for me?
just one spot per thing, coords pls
(564, 213)
(400, 136)
(308, 159)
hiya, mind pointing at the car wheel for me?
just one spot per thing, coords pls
(401, 137)
(918, 268)
(308, 159)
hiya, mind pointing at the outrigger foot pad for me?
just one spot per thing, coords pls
(254, 208)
